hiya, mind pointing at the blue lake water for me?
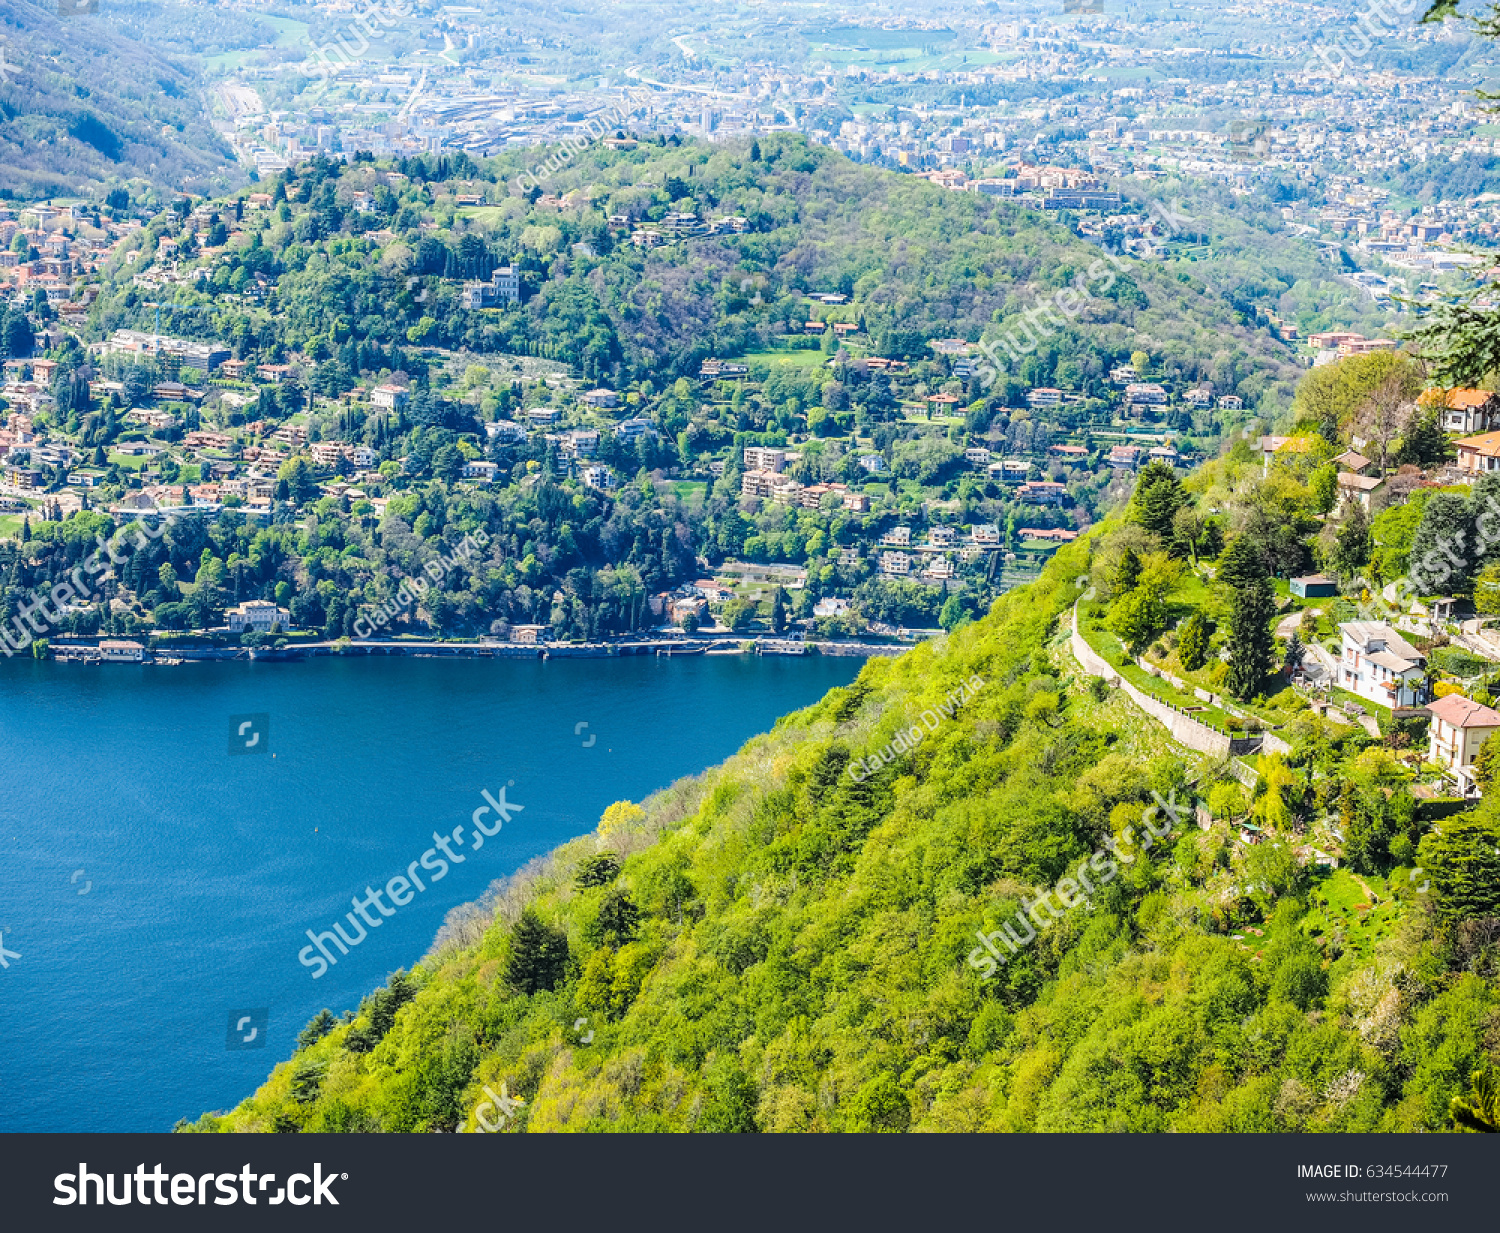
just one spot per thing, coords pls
(203, 870)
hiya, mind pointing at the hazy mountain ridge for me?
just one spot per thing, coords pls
(81, 105)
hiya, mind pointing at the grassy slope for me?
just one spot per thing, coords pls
(801, 957)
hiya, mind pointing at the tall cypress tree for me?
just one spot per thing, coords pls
(1252, 649)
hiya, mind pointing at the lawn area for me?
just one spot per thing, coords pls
(490, 215)
(1343, 912)
(1194, 593)
(686, 488)
(129, 462)
(1191, 591)
(812, 358)
(10, 525)
(1113, 651)
(1382, 713)
(1119, 717)
(937, 421)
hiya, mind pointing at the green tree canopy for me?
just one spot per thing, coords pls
(538, 954)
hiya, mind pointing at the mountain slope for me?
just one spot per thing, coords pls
(82, 105)
(784, 945)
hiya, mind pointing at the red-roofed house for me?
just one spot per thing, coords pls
(1459, 727)
(1467, 411)
(1479, 454)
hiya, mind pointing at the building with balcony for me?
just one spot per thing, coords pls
(1459, 727)
(1378, 664)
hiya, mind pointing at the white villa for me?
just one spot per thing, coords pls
(259, 616)
(1380, 665)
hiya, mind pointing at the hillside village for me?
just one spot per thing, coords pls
(190, 447)
(837, 479)
(1363, 595)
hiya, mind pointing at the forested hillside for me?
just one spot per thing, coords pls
(789, 941)
(357, 276)
(82, 106)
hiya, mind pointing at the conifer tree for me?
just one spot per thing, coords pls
(1158, 497)
(538, 955)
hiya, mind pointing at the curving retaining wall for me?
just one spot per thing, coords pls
(1182, 727)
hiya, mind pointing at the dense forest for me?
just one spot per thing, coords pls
(788, 941)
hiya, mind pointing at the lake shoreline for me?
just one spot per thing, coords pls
(97, 652)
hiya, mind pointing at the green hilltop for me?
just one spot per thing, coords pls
(84, 105)
(643, 262)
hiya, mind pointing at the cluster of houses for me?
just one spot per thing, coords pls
(763, 478)
(63, 247)
(1138, 397)
(1331, 345)
(28, 386)
(1473, 412)
(678, 225)
(1379, 664)
(933, 558)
